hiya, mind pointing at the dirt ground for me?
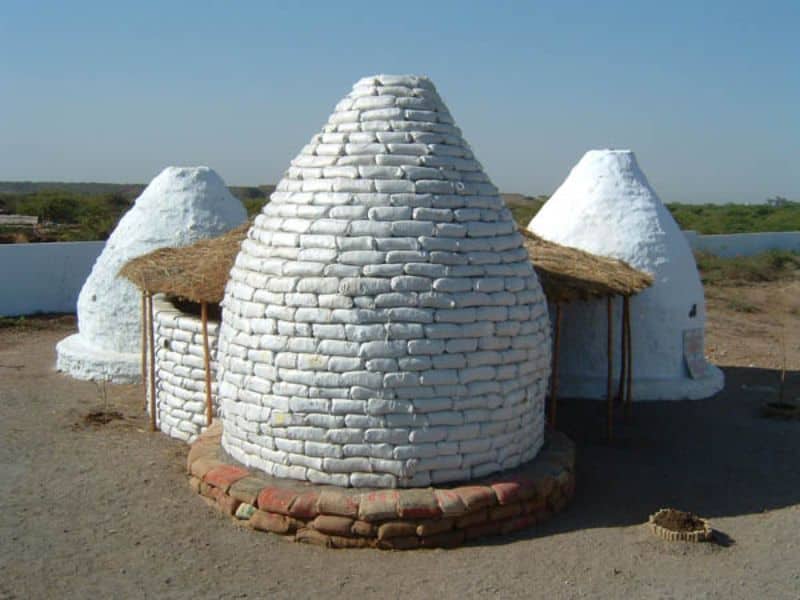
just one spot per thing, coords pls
(105, 511)
(748, 326)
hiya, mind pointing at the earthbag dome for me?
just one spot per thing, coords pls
(606, 206)
(383, 325)
(180, 206)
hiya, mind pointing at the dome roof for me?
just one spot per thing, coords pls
(606, 206)
(383, 325)
(179, 207)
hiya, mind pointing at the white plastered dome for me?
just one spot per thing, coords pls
(179, 207)
(606, 206)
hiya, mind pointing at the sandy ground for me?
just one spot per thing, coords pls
(105, 511)
(754, 326)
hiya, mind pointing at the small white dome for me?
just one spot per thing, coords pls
(180, 206)
(606, 206)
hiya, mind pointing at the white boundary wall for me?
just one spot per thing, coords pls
(48, 277)
(44, 277)
(744, 244)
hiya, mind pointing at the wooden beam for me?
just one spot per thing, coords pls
(554, 371)
(144, 347)
(623, 363)
(206, 361)
(629, 354)
(151, 329)
(610, 373)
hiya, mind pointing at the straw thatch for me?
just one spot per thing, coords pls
(199, 272)
(568, 274)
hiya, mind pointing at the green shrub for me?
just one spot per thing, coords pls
(59, 209)
(254, 205)
(775, 265)
(737, 218)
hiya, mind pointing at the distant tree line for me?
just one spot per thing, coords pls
(777, 214)
(67, 216)
(89, 211)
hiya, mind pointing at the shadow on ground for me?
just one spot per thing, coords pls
(717, 457)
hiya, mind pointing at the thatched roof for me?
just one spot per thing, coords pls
(199, 272)
(568, 274)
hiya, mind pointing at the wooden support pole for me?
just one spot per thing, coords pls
(623, 348)
(206, 361)
(610, 373)
(554, 371)
(144, 347)
(629, 368)
(152, 332)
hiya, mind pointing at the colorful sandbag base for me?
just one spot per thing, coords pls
(395, 519)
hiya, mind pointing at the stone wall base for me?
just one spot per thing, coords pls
(402, 519)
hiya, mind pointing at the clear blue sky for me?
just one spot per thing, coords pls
(706, 93)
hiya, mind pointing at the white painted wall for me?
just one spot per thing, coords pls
(744, 244)
(44, 277)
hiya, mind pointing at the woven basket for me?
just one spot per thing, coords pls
(698, 535)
